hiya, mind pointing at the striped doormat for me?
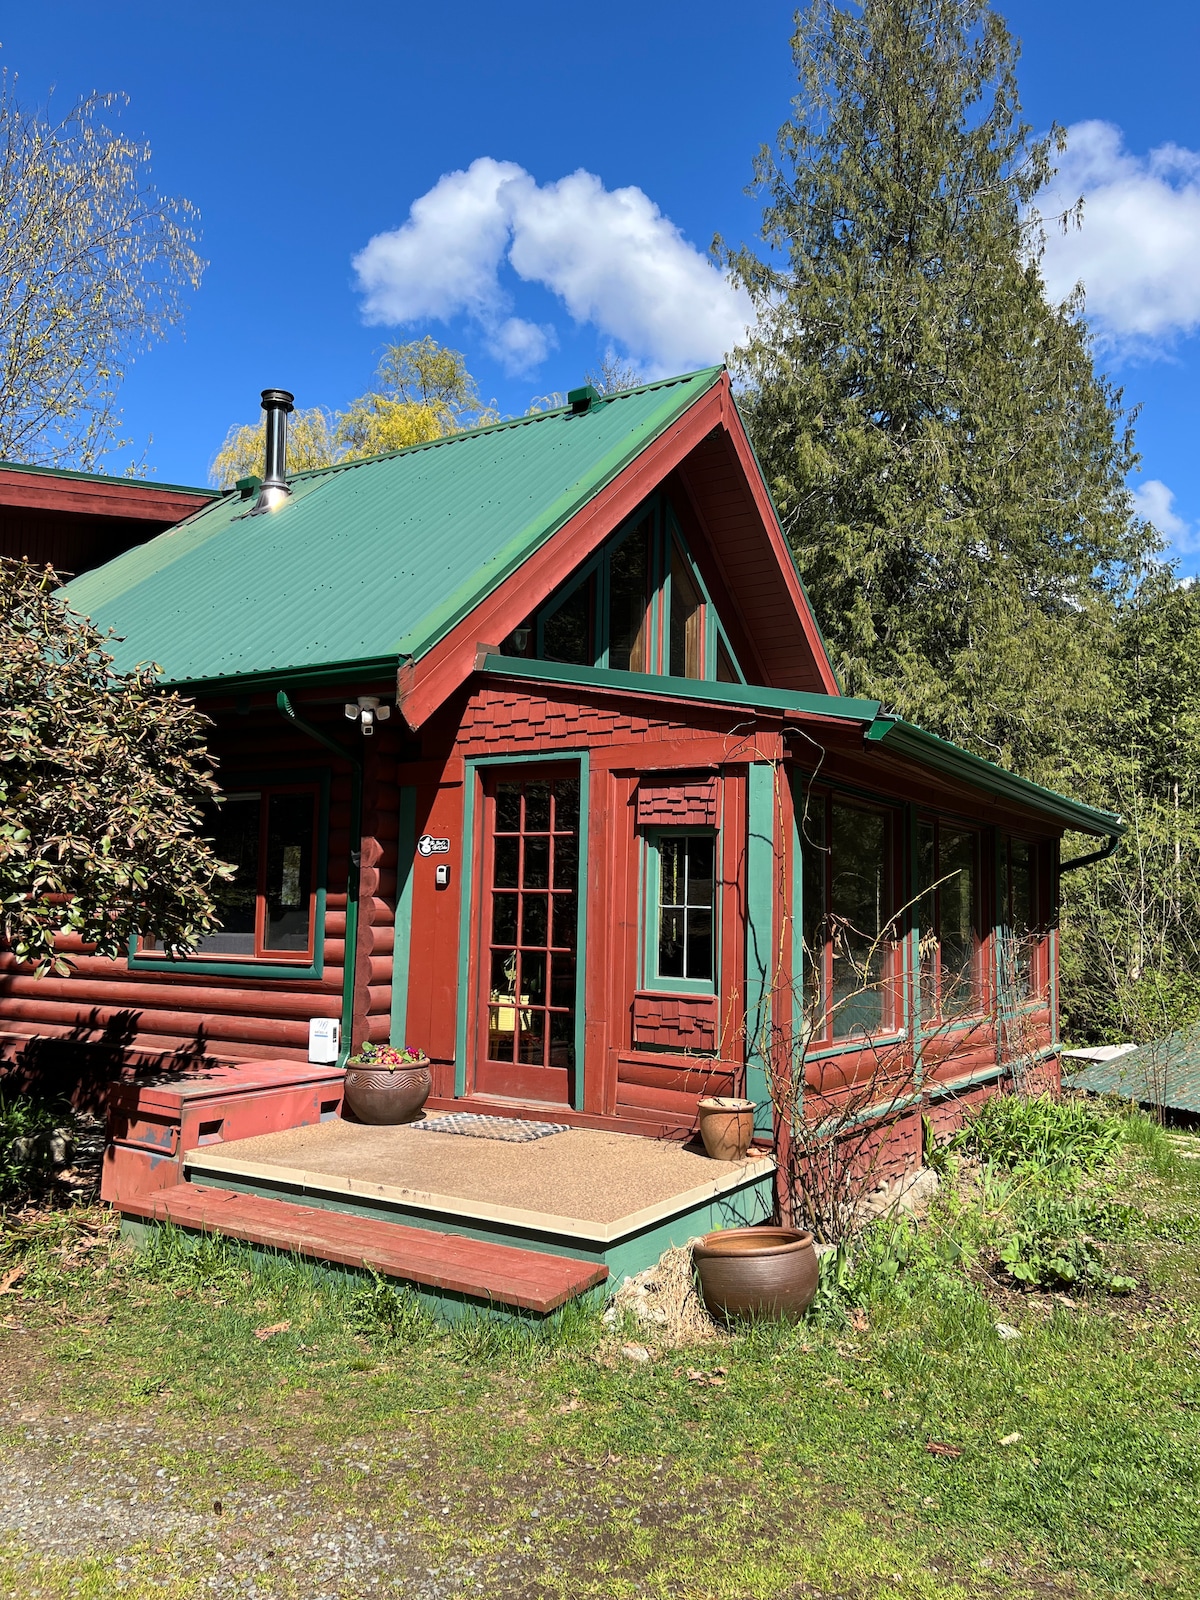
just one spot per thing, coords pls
(473, 1126)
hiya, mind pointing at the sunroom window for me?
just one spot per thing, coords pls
(948, 921)
(848, 915)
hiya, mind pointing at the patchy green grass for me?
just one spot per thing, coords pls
(251, 1416)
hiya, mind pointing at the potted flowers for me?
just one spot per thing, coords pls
(387, 1085)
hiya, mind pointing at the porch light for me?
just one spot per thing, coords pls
(367, 710)
(520, 639)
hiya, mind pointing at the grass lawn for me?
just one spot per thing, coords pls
(183, 1422)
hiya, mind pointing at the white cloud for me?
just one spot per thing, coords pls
(1137, 248)
(1154, 501)
(611, 257)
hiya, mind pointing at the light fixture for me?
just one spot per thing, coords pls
(367, 710)
(520, 639)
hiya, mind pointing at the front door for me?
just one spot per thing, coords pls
(530, 924)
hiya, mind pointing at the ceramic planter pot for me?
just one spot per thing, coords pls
(757, 1272)
(381, 1095)
(726, 1126)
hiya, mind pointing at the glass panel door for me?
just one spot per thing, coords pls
(530, 911)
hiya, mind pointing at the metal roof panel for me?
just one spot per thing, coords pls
(372, 558)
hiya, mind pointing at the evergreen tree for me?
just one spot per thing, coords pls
(948, 466)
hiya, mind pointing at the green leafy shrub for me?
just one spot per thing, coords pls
(1018, 1130)
(1053, 1241)
(26, 1126)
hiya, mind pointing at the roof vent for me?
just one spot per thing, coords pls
(276, 403)
(581, 400)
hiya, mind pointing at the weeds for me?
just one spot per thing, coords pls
(1017, 1130)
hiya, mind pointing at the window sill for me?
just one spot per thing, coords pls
(227, 966)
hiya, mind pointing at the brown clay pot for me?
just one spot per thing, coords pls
(726, 1126)
(382, 1095)
(757, 1272)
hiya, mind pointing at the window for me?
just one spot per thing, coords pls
(847, 916)
(948, 920)
(687, 620)
(533, 924)
(267, 910)
(628, 594)
(639, 605)
(681, 931)
(1021, 951)
(568, 633)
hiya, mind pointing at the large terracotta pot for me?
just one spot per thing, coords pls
(726, 1126)
(388, 1094)
(757, 1272)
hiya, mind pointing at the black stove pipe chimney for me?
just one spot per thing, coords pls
(277, 403)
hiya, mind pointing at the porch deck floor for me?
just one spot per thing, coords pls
(585, 1182)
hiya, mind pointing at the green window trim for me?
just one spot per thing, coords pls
(253, 966)
(651, 899)
(664, 534)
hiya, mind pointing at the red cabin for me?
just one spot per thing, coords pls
(615, 841)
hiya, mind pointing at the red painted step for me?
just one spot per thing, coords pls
(499, 1273)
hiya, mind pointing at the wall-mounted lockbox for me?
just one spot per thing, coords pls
(441, 875)
(324, 1040)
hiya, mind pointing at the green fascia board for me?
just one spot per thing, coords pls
(369, 559)
(705, 690)
(105, 477)
(905, 738)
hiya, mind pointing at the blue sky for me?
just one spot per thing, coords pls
(304, 133)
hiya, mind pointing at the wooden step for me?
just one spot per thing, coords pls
(499, 1274)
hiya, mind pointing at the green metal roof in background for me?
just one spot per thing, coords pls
(105, 477)
(373, 560)
(1166, 1073)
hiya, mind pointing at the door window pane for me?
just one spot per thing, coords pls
(531, 976)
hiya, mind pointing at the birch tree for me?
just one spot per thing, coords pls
(94, 263)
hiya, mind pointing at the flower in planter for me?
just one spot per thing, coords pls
(386, 1055)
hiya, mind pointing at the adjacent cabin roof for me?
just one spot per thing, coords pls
(76, 520)
(371, 561)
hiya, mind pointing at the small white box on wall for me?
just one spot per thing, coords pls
(324, 1040)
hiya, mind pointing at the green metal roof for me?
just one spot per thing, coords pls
(372, 560)
(905, 738)
(1166, 1073)
(104, 477)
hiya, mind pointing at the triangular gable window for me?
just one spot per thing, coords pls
(639, 605)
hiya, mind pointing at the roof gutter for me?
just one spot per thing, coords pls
(1089, 860)
(908, 740)
(350, 957)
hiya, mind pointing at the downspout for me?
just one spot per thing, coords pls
(1096, 855)
(350, 958)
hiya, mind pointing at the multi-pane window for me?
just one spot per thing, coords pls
(948, 920)
(266, 910)
(682, 922)
(1021, 965)
(534, 921)
(848, 930)
(639, 605)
